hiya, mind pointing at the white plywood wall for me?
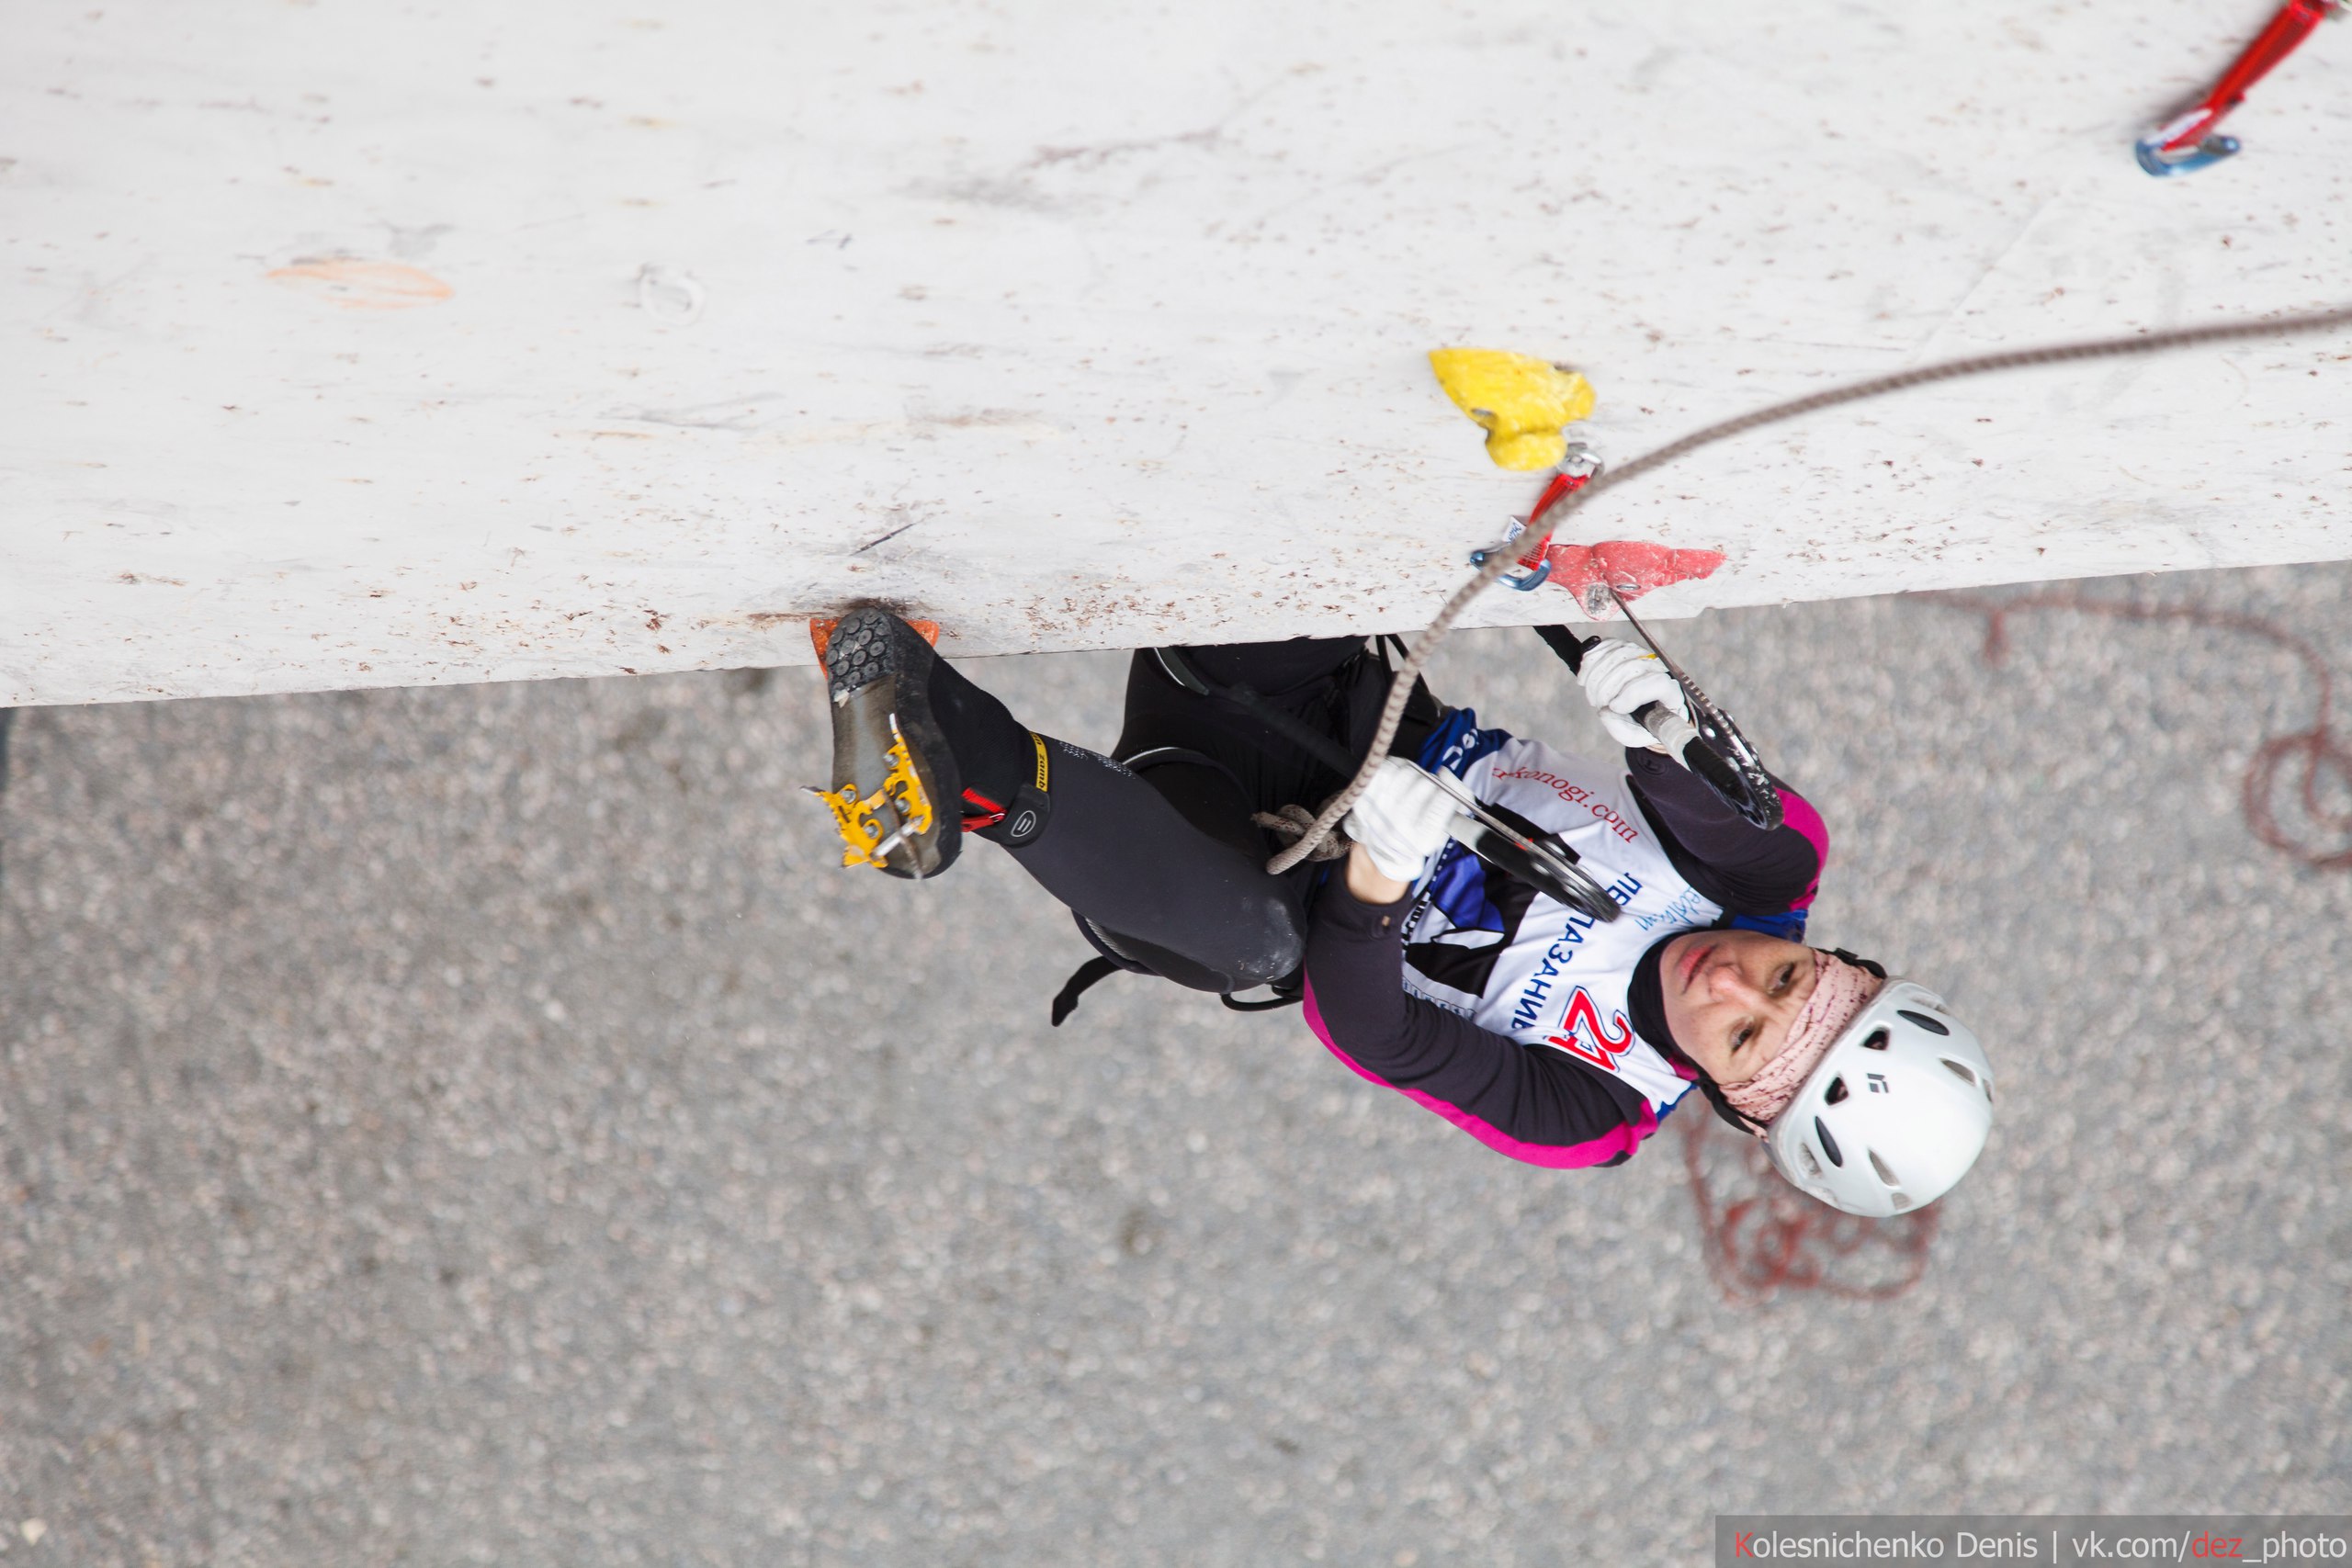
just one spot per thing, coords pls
(354, 344)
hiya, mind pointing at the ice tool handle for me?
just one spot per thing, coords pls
(1745, 790)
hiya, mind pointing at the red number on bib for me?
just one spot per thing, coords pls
(1583, 1019)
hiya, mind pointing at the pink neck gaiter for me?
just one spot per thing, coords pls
(1839, 991)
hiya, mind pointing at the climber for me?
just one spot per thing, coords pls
(1556, 1037)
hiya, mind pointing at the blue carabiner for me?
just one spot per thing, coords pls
(1532, 581)
(1578, 465)
(2294, 22)
(2150, 150)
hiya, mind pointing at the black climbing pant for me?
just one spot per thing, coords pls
(1156, 854)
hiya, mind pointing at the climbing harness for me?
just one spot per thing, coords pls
(1544, 862)
(1116, 953)
(2188, 141)
(1401, 689)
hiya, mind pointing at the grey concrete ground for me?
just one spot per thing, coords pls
(484, 1125)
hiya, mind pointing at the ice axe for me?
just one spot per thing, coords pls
(1712, 748)
(1708, 742)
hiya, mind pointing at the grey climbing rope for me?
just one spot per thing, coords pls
(1496, 561)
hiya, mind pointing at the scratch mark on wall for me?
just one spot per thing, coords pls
(739, 413)
(672, 296)
(1103, 152)
(1992, 269)
(921, 427)
(983, 190)
(355, 285)
(885, 538)
(414, 245)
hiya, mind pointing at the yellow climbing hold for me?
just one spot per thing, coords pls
(1520, 400)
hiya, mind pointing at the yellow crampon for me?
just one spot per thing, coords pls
(857, 821)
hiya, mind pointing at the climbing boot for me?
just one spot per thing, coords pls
(897, 795)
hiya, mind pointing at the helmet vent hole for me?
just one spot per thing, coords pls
(1812, 1166)
(1836, 1092)
(1883, 1174)
(1964, 1072)
(1828, 1144)
(1877, 1042)
(1932, 1025)
(1901, 1200)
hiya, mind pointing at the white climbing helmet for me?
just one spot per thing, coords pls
(1895, 1113)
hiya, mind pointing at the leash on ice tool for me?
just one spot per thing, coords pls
(1401, 689)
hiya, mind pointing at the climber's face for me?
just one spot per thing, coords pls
(1731, 996)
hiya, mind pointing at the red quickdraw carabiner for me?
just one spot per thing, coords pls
(1534, 569)
(2188, 141)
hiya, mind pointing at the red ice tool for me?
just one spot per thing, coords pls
(2189, 141)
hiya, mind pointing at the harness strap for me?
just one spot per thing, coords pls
(1114, 957)
(1284, 997)
(1081, 981)
(1299, 733)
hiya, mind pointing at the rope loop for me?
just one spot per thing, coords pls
(1295, 822)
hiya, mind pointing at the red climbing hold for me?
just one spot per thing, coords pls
(1634, 567)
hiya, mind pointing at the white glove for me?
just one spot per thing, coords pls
(1402, 819)
(1618, 678)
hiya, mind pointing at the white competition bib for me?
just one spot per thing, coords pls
(1519, 962)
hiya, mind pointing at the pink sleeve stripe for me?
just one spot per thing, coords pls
(1620, 1140)
(1797, 812)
